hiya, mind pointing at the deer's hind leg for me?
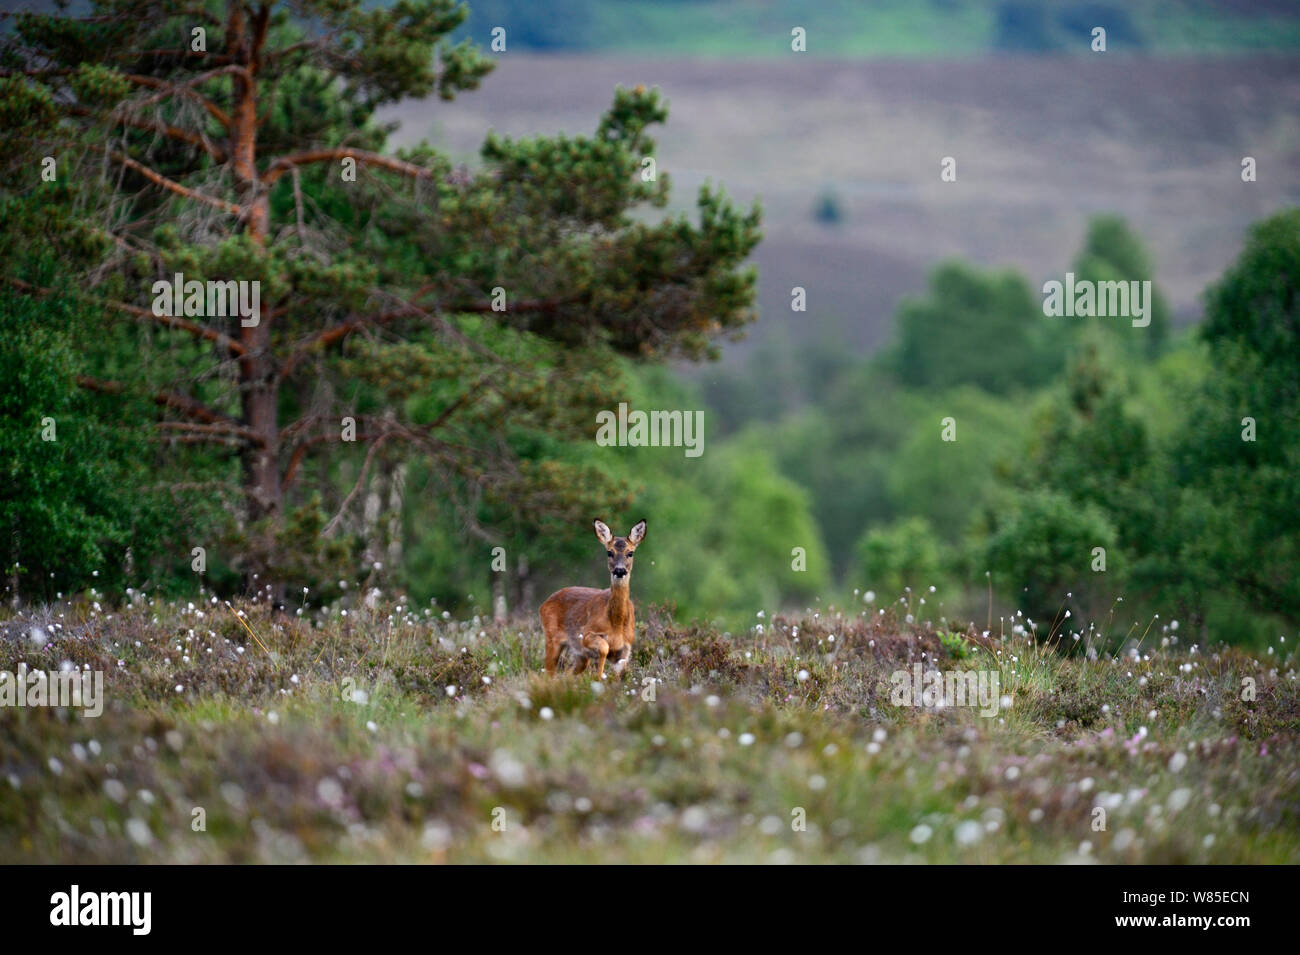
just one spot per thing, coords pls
(554, 653)
(553, 628)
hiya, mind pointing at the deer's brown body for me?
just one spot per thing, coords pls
(589, 624)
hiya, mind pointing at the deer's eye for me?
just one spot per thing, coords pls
(629, 555)
(610, 553)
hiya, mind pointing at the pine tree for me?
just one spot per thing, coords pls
(476, 316)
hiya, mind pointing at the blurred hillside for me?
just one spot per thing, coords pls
(845, 156)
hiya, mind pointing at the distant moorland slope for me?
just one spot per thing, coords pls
(1041, 144)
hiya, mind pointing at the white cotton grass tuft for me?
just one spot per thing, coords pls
(330, 791)
(138, 831)
(508, 769)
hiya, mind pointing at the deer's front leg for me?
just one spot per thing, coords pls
(598, 650)
(621, 661)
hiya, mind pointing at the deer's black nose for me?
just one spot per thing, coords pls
(620, 571)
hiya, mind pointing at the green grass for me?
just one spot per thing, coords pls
(714, 750)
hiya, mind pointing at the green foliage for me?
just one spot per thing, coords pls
(975, 327)
(1043, 548)
(57, 515)
(25, 107)
(1257, 302)
(475, 422)
(955, 643)
(467, 323)
(1205, 521)
(722, 527)
(296, 546)
(1091, 445)
(758, 519)
(947, 481)
(785, 374)
(871, 453)
(1136, 448)
(841, 451)
(900, 555)
(1242, 499)
(98, 85)
(1101, 443)
(77, 503)
(1112, 252)
(45, 225)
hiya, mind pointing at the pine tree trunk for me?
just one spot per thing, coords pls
(257, 373)
(526, 586)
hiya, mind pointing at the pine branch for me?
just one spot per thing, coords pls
(336, 333)
(171, 185)
(302, 446)
(285, 163)
(194, 328)
(174, 89)
(172, 132)
(219, 431)
(177, 402)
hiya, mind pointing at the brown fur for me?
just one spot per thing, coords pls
(590, 624)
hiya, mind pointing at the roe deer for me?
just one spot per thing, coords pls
(591, 624)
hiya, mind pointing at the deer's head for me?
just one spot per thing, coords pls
(620, 550)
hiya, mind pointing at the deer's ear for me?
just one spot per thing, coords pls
(637, 533)
(603, 533)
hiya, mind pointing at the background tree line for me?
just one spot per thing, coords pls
(474, 426)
